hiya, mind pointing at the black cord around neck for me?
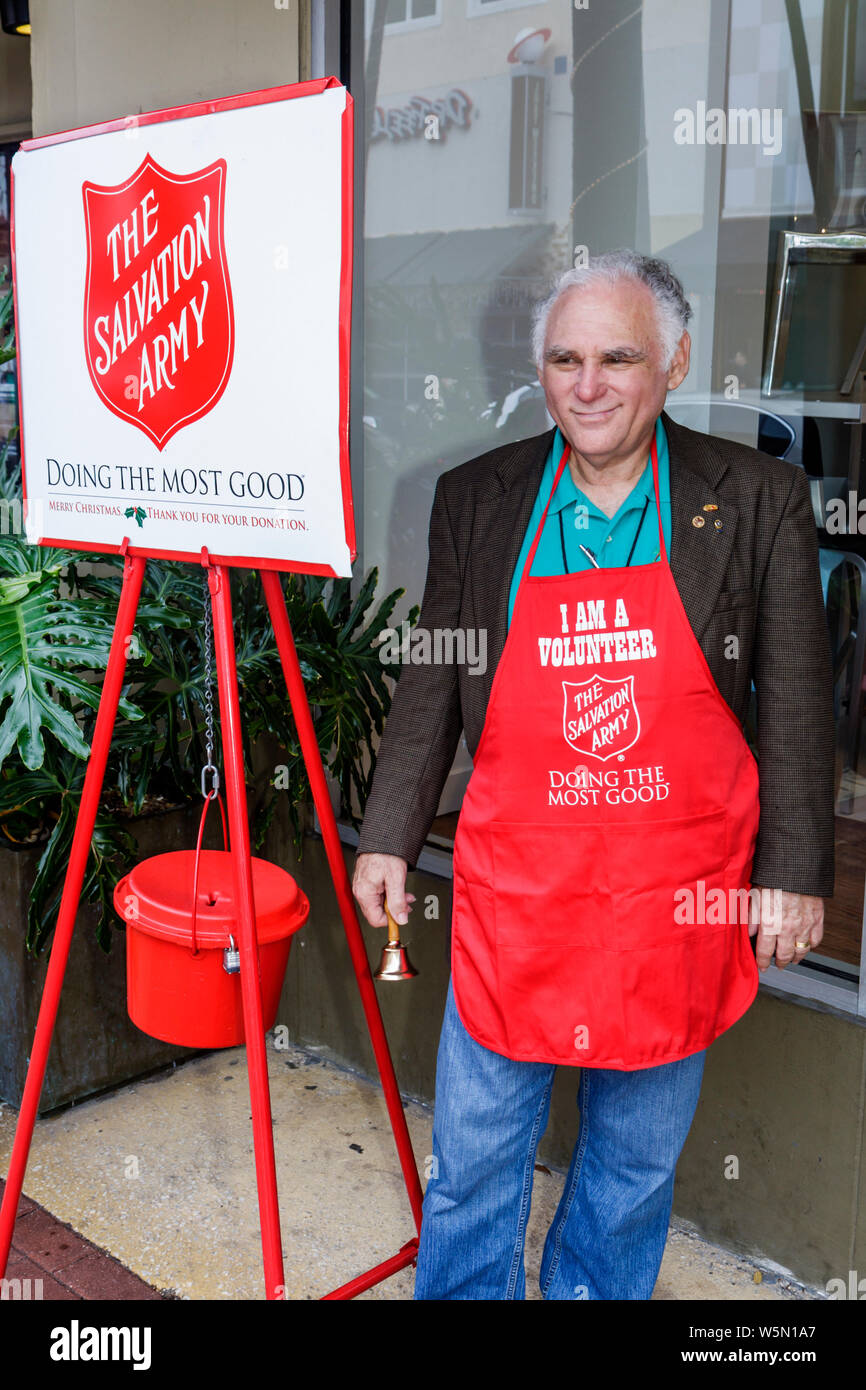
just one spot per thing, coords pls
(637, 532)
(565, 568)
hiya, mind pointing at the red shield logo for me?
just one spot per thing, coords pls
(158, 315)
(600, 717)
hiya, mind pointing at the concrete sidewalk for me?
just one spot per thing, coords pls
(49, 1261)
(160, 1175)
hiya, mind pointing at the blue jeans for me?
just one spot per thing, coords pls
(608, 1235)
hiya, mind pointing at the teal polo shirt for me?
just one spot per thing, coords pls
(609, 538)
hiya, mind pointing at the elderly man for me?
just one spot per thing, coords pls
(618, 844)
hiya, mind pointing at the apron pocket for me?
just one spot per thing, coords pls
(615, 886)
(549, 884)
(558, 976)
(667, 879)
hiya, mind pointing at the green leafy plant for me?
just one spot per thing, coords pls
(7, 319)
(57, 612)
(52, 646)
(48, 646)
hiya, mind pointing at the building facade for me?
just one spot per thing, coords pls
(499, 142)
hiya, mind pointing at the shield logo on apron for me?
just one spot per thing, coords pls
(158, 314)
(599, 716)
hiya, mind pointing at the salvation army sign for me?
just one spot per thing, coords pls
(599, 716)
(149, 354)
(182, 292)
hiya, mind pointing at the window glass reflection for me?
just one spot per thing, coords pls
(507, 139)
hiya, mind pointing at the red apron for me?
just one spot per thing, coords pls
(608, 825)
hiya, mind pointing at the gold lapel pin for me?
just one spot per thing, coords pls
(697, 521)
(711, 506)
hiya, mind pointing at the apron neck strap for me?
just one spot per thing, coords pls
(654, 456)
(527, 564)
(566, 453)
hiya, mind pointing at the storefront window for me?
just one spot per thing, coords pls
(718, 136)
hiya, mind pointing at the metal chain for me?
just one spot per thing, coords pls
(209, 767)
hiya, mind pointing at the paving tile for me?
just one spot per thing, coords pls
(98, 1276)
(51, 1290)
(47, 1241)
(24, 1203)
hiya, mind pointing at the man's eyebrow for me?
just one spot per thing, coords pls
(635, 354)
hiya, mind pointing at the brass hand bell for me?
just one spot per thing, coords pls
(395, 963)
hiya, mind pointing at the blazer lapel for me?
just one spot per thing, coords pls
(502, 516)
(699, 553)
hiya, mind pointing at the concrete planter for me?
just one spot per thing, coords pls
(95, 1045)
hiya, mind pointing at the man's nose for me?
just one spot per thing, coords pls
(589, 381)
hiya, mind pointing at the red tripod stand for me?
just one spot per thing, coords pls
(218, 580)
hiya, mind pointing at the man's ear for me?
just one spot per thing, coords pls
(679, 367)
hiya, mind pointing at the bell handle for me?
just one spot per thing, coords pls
(393, 928)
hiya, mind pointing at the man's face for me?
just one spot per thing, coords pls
(603, 376)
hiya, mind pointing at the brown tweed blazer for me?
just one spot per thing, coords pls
(756, 578)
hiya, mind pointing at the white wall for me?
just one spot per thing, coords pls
(98, 59)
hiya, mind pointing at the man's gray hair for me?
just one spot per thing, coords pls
(673, 310)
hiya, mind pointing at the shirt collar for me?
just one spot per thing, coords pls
(567, 493)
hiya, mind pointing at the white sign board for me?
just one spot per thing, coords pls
(182, 297)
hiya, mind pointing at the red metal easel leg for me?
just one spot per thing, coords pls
(406, 1256)
(133, 573)
(333, 847)
(257, 1064)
